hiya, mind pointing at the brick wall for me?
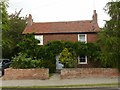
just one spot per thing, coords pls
(90, 64)
(26, 74)
(67, 37)
(91, 37)
(64, 37)
(88, 72)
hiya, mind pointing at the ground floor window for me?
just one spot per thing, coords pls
(82, 59)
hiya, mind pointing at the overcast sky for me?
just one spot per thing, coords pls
(60, 10)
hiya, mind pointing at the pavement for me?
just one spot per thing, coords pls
(56, 81)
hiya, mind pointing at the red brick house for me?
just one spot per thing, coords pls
(84, 31)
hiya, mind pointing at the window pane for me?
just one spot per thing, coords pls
(40, 38)
(82, 38)
(82, 59)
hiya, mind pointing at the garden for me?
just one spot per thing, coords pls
(24, 51)
(32, 55)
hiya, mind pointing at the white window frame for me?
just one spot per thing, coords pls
(82, 62)
(85, 38)
(40, 38)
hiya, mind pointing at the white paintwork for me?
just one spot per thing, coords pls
(82, 62)
(80, 39)
(58, 64)
(40, 38)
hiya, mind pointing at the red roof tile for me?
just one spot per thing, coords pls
(62, 27)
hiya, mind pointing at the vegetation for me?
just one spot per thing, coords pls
(16, 26)
(4, 23)
(45, 55)
(4, 20)
(28, 54)
(22, 61)
(109, 37)
(29, 45)
(64, 86)
(67, 59)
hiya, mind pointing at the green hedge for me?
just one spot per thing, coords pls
(35, 56)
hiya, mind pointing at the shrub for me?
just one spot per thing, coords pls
(29, 45)
(49, 64)
(22, 62)
(80, 48)
(67, 58)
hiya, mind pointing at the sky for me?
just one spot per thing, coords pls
(60, 10)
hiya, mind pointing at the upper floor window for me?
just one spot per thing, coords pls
(82, 38)
(40, 38)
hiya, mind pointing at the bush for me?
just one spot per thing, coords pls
(22, 62)
(67, 58)
(44, 56)
(29, 45)
(49, 64)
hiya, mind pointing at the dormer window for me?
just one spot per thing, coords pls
(40, 38)
(82, 38)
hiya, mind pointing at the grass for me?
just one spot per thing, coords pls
(65, 86)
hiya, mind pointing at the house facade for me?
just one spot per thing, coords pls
(74, 31)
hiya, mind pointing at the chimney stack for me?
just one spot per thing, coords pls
(94, 16)
(30, 21)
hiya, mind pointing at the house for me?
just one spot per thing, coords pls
(84, 31)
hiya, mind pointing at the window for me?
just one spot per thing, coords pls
(82, 38)
(82, 60)
(40, 38)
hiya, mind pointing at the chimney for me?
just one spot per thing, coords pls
(30, 21)
(94, 16)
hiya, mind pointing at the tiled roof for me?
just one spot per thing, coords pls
(62, 27)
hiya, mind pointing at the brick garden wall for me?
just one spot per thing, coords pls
(11, 74)
(88, 72)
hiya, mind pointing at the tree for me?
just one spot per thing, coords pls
(109, 37)
(4, 23)
(16, 26)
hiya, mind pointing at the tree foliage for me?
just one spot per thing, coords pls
(4, 19)
(16, 26)
(4, 23)
(109, 37)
